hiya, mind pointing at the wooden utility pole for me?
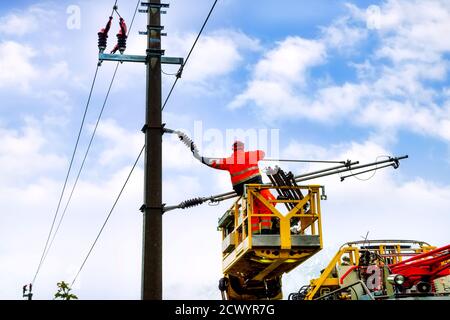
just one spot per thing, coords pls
(152, 209)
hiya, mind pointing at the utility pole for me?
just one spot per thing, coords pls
(152, 208)
(152, 237)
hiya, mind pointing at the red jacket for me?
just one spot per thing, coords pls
(241, 165)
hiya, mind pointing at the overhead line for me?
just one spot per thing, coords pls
(47, 245)
(109, 215)
(83, 162)
(178, 75)
(67, 175)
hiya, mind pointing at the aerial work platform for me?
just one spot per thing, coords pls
(254, 263)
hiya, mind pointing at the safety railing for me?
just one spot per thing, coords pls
(291, 219)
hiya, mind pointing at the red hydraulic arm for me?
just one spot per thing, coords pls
(425, 266)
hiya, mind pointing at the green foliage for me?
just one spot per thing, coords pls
(64, 292)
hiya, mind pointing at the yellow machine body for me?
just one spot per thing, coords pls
(363, 282)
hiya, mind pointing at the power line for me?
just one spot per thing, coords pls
(178, 75)
(47, 245)
(114, 8)
(83, 162)
(67, 175)
(109, 214)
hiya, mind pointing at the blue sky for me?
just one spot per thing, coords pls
(333, 79)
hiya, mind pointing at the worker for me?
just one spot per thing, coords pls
(243, 169)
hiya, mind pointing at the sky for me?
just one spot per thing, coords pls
(323, 80)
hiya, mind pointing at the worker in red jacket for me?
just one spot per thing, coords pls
(243, 168)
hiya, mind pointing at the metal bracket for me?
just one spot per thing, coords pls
(121, 57)
(144, 33)
(135, 58)
(146, 126)
(143, 208)
(154, 27)
(155, 52)
(154, 5)
(323, 196)
(146, 11)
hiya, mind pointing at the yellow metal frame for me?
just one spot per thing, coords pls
(243, 209)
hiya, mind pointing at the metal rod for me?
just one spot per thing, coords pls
(350, 168)
(304, 177)
(312, 161)
(223, 194)
(272, 179)
(223, 198)
(348, 164)
(369, 170)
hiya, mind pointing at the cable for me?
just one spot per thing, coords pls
(118, 13)
(109, 214)
(47, 245)
(67, 175)
(114, 8)
(169, 74)
(375, 171)
(178, 75)
(84, 160)
(134, 15)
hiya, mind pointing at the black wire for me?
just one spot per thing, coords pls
(134, 15)
(84, 160)
(109, 214)
(189, 54)
(200, 32)
(118, 13)
(170, 93)
(47, 245)
(67, 175)
(114, 8)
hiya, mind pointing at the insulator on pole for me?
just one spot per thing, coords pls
(102, 41)
(191, 203)
(103, 36)
(122, 36)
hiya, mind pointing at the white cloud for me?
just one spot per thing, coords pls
(18, 69)
(290, 60)
(398, 85)
(14, 24)
(24, 22)
(279, 73)
(413, 29)
(24, 156)
(216, 54)
(120, 143)
(340, 34)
